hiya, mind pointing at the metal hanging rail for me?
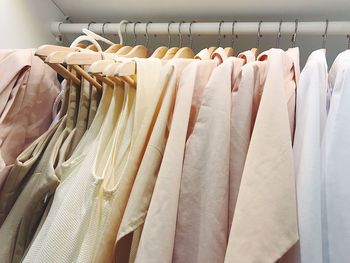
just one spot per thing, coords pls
(211, 28)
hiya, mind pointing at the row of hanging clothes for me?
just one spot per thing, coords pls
(173, 157)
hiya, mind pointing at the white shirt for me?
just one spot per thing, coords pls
(310, 122)
(336, 163)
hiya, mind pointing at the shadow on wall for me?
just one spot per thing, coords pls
(26, 24)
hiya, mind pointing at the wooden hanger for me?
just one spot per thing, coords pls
(138, 50)
(229, 51)
(45, 50)
(113, 48)
(171, 50)
(170, 53)
(90, 58)
(211, 50)
(58, 56)
(258, 37)
(159, 52)
(183, 52)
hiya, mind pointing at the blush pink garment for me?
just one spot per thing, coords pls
(264, 225)
(30, 112)
(202, 220)
(14, 65)
(158, 235)
(245, 99)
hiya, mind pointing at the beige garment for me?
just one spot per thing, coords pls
(25, 215)
(118, 191)
(140, 197)
(82, 116)
(202, 218)
(19, 174)
(15, 63)
(29, 113)
(92, 228)
(264, 226)
(58, 241)
(158, 234)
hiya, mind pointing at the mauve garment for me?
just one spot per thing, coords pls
(28, 112)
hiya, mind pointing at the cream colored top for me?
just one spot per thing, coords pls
(158, 235)
(58, 241)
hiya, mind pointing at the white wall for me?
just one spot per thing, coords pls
(26, 23)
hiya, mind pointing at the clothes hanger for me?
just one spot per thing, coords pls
(59, 56)
(80, 58)
(258, 37)
(219, 55)
(128, 67)
(160, 51)
(81, 71)
(324, 36)
(171, 50)
(279, 35)
(230, 50)
(75, 110)
(113, 48)
(294, 37)
(43, 51)
(138, 50)
(183, 52)
(203, 54)
(125, 49)
(99, 66)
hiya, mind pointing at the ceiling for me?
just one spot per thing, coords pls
(204, 10)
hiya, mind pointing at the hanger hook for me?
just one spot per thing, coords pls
(233, 33)
(103, 28)
(190, 30)
(147, 36)
(325, 35)
(279, 34)
(169, 36)
(258, 35)
(219, 38)
(180, 36)
(88, 27)
(120, 35)
(294, 37)
(135, 37)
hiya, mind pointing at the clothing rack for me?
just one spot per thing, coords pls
(208, 28)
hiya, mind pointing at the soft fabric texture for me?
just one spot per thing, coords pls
(264, 225)
(158, 234)
(202, 218)
(27, 93)
(336, 165)
(311, 117)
